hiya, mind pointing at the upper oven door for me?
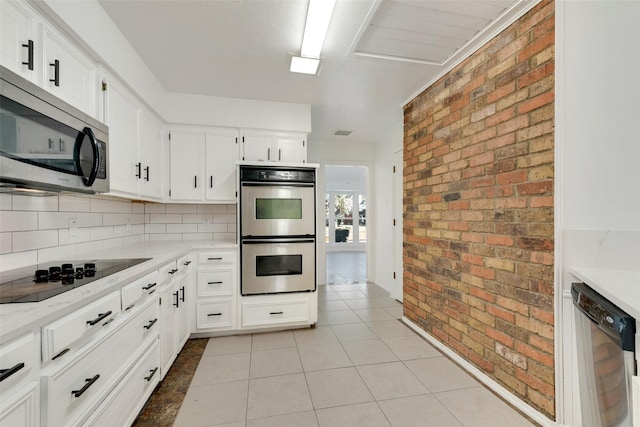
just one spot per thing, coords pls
(274, 209)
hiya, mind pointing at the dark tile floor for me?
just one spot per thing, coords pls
(162, 408)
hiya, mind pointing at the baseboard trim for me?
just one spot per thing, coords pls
(505, 394)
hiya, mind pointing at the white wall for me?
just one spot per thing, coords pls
(598, 95)
(384, 243)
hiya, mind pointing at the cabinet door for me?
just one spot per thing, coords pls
(187, 161)
(291, 150)
(18, 26)
(151, 155)
(168, 306)
(21, 408)
(73, 77)
(182, 312)
(122, 115)
(257, 148)
(222, 154)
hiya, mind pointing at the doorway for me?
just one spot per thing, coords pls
(346, 223)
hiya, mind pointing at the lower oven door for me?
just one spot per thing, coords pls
(272, 266)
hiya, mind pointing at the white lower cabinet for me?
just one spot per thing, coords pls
(174, 310)
(635, 392)
(216, 288)
(21, 408)
(124, 403)
(274, 310)
(72, 390)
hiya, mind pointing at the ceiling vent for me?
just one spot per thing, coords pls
(428, 32)
(343, 132)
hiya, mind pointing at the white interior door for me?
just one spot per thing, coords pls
(396, 291)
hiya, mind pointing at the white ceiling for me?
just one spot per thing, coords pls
(242, 48)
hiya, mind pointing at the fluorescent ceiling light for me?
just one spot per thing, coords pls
(315, 30)
(304, 65)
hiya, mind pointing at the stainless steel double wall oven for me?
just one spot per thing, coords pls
(277, 229)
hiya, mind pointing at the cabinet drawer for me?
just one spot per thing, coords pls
(214, 283)
(184, 263)
(139, 288)
(21, 408)
(123, 404)
(82, 384)
(59, 335)
(214, 314)
(18, 359)
(166, 272)
(273, 313)
(216, 258)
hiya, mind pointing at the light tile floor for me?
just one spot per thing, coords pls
(360, 366)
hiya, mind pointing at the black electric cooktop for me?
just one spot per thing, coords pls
(37, 283)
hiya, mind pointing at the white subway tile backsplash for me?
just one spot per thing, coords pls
(182, 228)
(5, 201)
(5, 243)
(74, 204)
(213, 208)
(165, 219)
(151, 208)
(36, 229)
(51, 220)
(18, 260)
(226, 218)
(18, 221)
(35, 203)
(158, 237)
(196, 218)
(81, 235)
(181, 208)
(30, 240)
(155, 228)
(198, 236)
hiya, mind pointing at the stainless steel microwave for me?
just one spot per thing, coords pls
(47, 144)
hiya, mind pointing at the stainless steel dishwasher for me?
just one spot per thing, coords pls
(605, 337)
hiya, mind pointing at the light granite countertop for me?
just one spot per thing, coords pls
(16, 319)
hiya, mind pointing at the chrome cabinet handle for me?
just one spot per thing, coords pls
(6, 373)
(100, 317)
(90, 381)
(30, 50)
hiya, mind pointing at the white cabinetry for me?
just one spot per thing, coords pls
(174, 310)
(268, 311)
(216, 286)
(31, 47)
(19, 39)
(635, 392)
(68, 72)
(19, 382)
(264, 147)
(134, 143)
(203, 164)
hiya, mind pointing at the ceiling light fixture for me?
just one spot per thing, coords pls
(315, 30)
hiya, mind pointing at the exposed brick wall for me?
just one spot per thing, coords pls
(478, 209)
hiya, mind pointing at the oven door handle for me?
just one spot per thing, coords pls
(268, 241)
(278, 184)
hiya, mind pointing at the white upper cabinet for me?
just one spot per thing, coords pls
(203, 165)
(187, 165)
(274, 147)
(19, 39)
(34, 49)
(135, 148)
(68, 73)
